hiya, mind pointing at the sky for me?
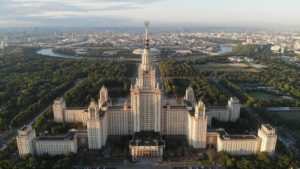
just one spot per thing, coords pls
(118, 13)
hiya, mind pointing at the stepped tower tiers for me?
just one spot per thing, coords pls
(197, 126)
(234, 106)
(146, 95)
(59, 108)
(96, 127)
(190, 95)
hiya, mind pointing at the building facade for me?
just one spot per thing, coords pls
(149, 114)
(25, 140)
(56, 145)
(29, 143)
(268, 139)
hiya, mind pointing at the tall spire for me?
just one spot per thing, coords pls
(146, 58)
(147, 35)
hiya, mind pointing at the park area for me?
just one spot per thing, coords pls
(290, 116)
(212, 66)
(259, 95)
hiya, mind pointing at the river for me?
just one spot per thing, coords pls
(225, 48)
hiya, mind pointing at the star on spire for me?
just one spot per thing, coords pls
(146, 23)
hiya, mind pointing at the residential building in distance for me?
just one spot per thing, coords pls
(2, 45)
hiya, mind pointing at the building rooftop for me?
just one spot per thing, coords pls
(268, 126)
(76, 108)
(238, 137)
(217, 108)
(188, 103)
(68, 136)
(226, 136)
(25, 130)
(116, 107)
(147, 138)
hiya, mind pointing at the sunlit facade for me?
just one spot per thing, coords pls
(147, 116)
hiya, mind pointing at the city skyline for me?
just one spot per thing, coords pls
(124, 13)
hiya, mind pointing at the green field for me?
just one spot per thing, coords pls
(289, 115)
(258, 95)
(226, 67)
(296, 133)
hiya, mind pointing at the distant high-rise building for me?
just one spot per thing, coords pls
(297, 46)
(2, 45)
(249, 41)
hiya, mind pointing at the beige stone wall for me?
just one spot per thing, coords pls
(118, 122)
(268, 139)
(239, 146)
(175, 121)
(25, 141)
(56, 147)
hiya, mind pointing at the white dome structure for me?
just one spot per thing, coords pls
(153, 51)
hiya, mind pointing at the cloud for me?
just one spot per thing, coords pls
(23, 11)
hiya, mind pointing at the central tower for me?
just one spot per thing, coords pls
(146, 95)
(146, 57)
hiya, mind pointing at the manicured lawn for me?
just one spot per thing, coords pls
(226, 67)
(263, 95)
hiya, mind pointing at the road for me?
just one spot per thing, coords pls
(13, 132)
(283, 136)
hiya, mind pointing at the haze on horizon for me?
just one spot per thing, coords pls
(105, 13)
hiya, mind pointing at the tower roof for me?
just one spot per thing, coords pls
(146, 57)
(147, 35)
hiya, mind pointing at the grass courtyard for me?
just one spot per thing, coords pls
(226, 67)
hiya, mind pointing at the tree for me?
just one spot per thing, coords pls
(33, 162)
(64, 163)
(39, 122)
(245, 164)
(264, 160)
(2, 123)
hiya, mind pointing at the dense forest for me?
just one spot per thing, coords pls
(222, 40)
(178, 75)
(252, 50)
(30, 82)
(260, 161)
